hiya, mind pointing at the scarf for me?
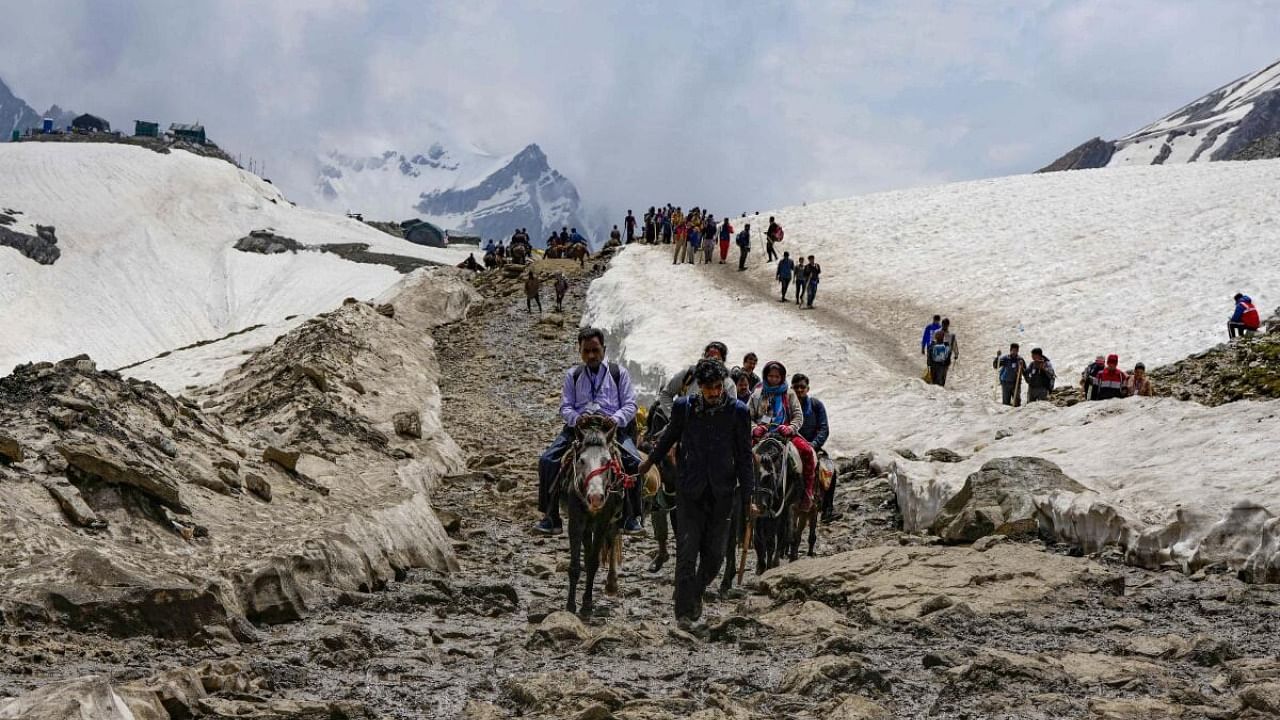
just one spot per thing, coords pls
(776, 396)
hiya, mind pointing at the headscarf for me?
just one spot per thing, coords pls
(775, 395)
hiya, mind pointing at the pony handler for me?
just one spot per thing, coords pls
(714, 432)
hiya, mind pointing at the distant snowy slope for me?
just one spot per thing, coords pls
(147, 263)
(1139, 261)
(466, 190)
(1223, 125)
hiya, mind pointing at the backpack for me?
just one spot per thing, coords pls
(614, 373)
(1249, 318)
(777, 237)
(743, 239)
(940, 354)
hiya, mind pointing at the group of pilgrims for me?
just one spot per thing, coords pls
(715, 414)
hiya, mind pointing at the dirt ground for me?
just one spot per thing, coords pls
(1064, 636)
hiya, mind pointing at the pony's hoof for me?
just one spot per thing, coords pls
(611, 589)
(658, 562)
(587, 610)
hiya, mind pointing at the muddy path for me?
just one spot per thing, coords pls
(1091, 638)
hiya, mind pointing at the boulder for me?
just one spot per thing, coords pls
(73, 505)
(856, 707)
(998, 499)
(314, 373)
(287, 459)
(828, 674)
(558, 630)
(97, 460)
(10, 450)
(944, 455)
(1263, 697)
(258, 485)
(899, 583)
(386, 309)
(80, 699)
(408, 423)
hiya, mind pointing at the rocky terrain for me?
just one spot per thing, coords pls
(1247, 368)
(980, 617)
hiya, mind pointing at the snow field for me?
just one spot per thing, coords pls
(147, 261)
(1140, 261)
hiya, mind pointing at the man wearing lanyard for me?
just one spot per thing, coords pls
(595, 387)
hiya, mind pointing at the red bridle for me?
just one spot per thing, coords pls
(614, 467)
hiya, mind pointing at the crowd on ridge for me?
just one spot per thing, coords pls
(697, 236)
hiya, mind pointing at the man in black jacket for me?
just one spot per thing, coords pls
(714, 432)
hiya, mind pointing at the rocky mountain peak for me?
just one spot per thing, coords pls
(1238, 121)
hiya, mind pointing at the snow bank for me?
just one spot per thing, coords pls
(1141, 261)
(147, 261)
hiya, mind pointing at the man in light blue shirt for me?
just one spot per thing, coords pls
(595, 387)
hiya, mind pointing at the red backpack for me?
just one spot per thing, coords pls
(778, 235)
(1249, 318)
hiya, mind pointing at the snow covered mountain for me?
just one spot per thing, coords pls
(148, 257)
(16, 114)
(1140, 261)
(1238, 121)
(467, 190)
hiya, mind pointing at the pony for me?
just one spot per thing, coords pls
(518, 253)
(579, 252)
(779, 486)
(553, 252)
(562, 287)
(592, 486)
(662, 500)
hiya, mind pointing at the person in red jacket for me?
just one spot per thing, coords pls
(1245, 319)
(726, 233)
(1110, 383)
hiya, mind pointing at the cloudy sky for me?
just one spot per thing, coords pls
(735, 105)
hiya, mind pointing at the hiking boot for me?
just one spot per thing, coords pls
(547, 526)
(632, 527)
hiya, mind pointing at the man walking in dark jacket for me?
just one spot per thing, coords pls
(785, 266)
(714, 432)
(744, 246)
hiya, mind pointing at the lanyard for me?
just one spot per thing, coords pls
(594, 383)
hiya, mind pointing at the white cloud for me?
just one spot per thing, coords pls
(732, 105)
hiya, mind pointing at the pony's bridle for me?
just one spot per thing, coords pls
(781, 468)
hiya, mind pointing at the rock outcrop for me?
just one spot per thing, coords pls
(129, 511)
(999, 499)
(1246, 368)
(42, 246)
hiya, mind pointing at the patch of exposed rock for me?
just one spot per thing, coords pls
(266, 242)
(41, 247)
(904, 583)
(1246, 368)
(999, 500)
(130, 511)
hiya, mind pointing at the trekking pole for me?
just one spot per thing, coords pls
(746, 543)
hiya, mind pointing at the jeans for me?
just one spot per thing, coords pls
(813, 292)
(1037, 393)
(799, 291)
(549, 469)
(786, 281)
(701, 523)
(1235, 329)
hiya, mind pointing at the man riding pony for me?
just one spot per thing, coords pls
(595, 387)
(775, 407)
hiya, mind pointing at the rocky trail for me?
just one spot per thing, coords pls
(882, 624)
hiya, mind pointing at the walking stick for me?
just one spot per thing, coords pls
(746, 543)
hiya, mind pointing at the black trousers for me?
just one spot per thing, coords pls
(701, 523)
(773, 254)
(786, 282)
(939, 373)
(742, 257)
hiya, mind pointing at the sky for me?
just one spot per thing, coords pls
(641, 102)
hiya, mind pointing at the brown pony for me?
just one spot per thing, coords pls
(579, 252)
